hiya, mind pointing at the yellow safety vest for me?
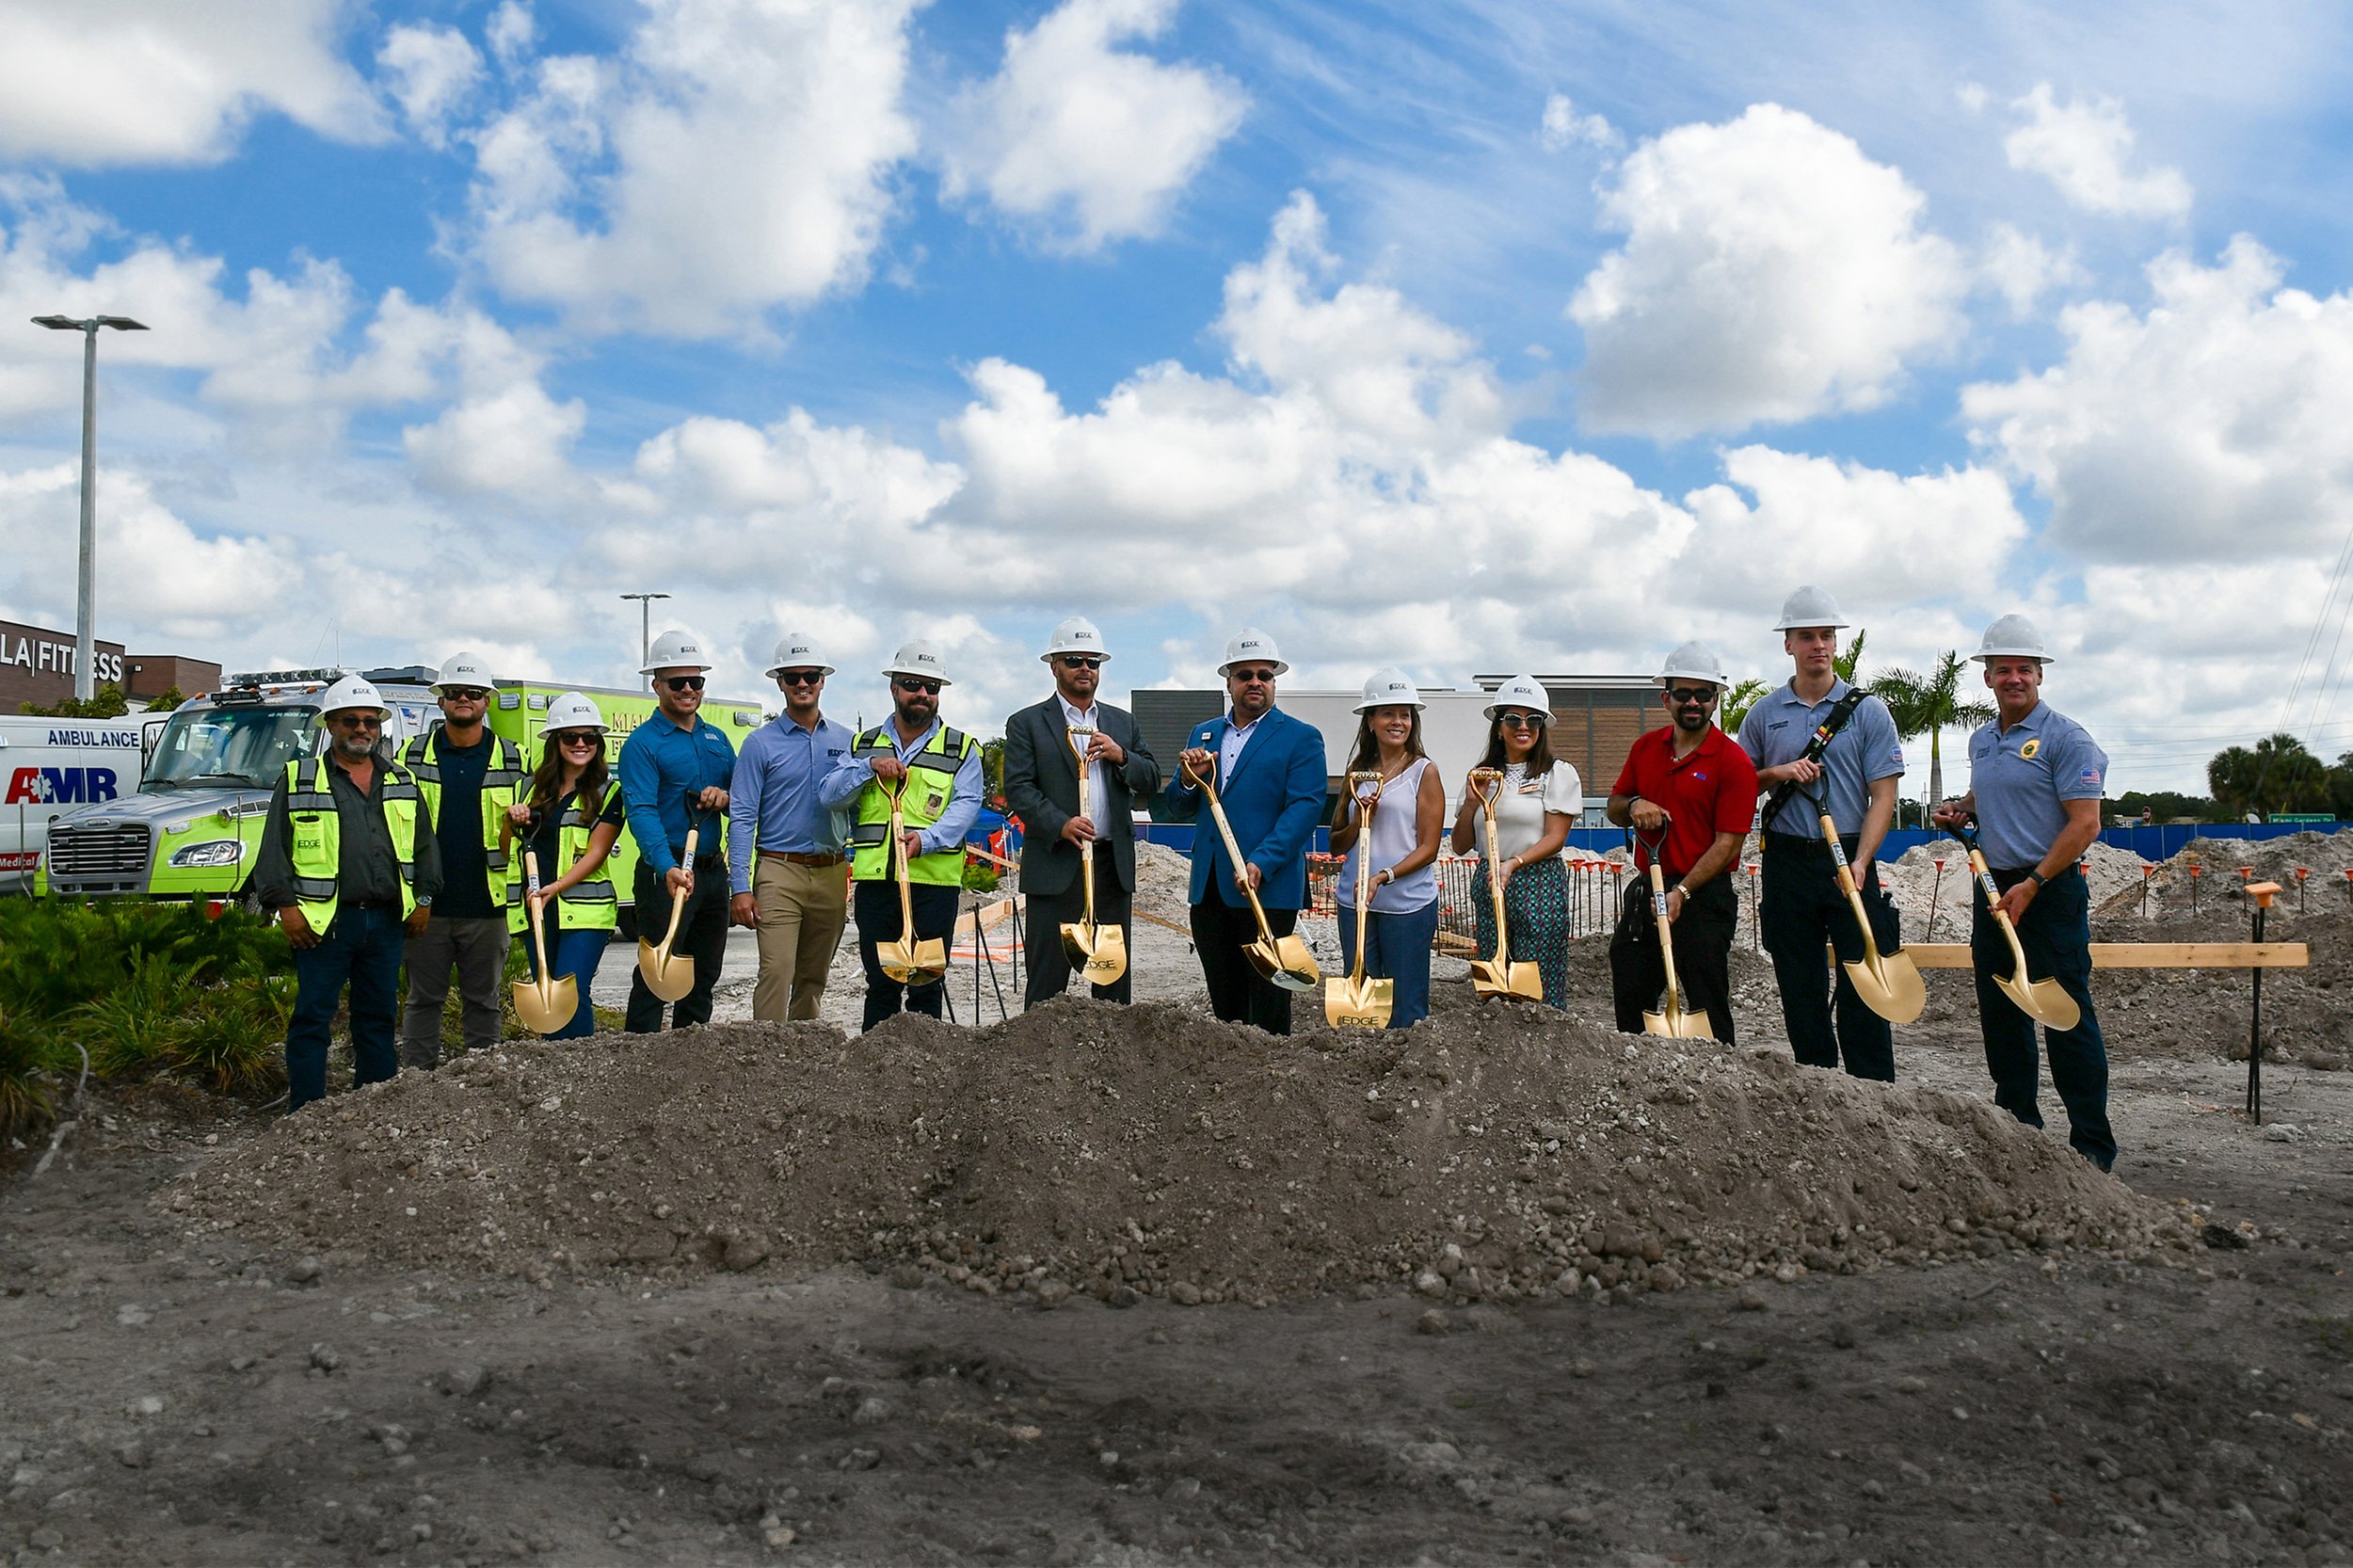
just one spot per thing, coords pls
(316, 841)
(503, 784)
(589, 905)
(931, 781)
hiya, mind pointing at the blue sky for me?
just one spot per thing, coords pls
(1463, 337)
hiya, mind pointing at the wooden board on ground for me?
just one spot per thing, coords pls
(2145, 955)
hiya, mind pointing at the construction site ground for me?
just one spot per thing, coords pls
(216, 1347)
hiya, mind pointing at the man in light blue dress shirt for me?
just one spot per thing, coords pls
(785, 859)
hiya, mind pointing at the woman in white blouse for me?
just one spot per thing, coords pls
(1539, 801)
(1407, 826)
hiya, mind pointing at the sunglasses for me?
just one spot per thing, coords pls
(360, 721)
(929, 688)
(464, 693)
(1684, 696)
(803, 678)
(1253, 678)
(684, 682)
(1078, 661)
(1518, 721)
(578, 738)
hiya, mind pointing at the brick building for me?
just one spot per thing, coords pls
(37, 665)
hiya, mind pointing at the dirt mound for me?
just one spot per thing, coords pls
(1148, 1149)
(2114, 875)
(2325, 856)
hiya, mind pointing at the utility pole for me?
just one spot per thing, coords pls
(644, 623)
(86, 596)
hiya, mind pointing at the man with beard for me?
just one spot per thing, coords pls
(1042, 768)
(936, 771)
(1689, 793)
(675, 769)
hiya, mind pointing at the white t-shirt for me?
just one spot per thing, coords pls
(1520, 809)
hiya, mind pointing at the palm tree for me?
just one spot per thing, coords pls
(1737, 704)
(1845, 663)
(2277, 774)
(1929, 705)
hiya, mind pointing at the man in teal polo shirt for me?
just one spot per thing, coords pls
(675, 769)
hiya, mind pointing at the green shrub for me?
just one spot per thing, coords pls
(32, 1068)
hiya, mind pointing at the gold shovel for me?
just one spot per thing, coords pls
(666, 974)
(1284, 961)
(906, 960)
(1889, 983)
(2045, 1001)
(1499, 976)
(1099, 952)
(1355, 1002)
(544, 1005)
(1672, 1019)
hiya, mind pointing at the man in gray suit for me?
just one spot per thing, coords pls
(1042, 789)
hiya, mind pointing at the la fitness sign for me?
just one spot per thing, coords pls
(50, 657)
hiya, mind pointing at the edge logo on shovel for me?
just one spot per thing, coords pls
(2044, 1001)
(1672, 1019)
(906, 960)
(1098, 952)
(1353, 1001)
(668, 975)
(1889, 983)
(1283, 960)
(1499, 976)
(544, 1005)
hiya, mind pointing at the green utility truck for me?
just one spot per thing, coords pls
(194, 828)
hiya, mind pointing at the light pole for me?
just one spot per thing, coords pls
(644, 623)
(86, 600)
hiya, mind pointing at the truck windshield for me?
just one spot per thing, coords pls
(249, 746)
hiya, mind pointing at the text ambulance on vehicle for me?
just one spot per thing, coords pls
(193, 830)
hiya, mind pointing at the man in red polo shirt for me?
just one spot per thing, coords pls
(1690, 792)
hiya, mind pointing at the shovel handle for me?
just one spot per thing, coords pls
(1233, 851)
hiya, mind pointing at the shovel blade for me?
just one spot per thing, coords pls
(545, 1006)
(1285, 961)
(1889, 983)
(1673, 1021)
(913, 962)
(1107, 961)
(2046, 1001)
(1078, 944)
(665, 973)
(1518, 981)
(1358, 1004)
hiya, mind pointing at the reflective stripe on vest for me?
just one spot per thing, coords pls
(500, 788)
(590, 905)
(930, 786)
(314, 843)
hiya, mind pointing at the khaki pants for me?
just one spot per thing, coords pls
(802, 912)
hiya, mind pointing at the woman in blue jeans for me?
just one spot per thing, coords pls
(571, 817)
(1406, 828)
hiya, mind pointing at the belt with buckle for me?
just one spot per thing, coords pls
(794, 858)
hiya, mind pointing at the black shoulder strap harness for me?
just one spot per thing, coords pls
(1827, 731)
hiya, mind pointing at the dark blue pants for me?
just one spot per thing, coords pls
(1801, 909)
(1397, 948)
(2057, 935)
(875, 906)
(362, 948)
(576, 954)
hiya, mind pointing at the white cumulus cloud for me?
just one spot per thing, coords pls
(1771, 272)
(1563, 127)
(2216, 425)
(2083, 149)
(430, 71)
(2021, 270)
(1091, 141)
(169, 82)
(735, 156)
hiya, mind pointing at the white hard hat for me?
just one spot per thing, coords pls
(1809, 606)
(1252, 646)
(919, 660)
(1693, 660)
(798, 651)
(1390, 688)
(1522, 691)
(573, 711)
(2012, 637)
(351, 692)
(464, 669)
(674, 650)
(1075, 635)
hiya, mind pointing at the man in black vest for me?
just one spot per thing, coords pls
(1042, 789)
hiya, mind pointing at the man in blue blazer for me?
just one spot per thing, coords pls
(1269, 770)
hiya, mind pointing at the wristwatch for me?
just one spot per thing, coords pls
(2035, 874)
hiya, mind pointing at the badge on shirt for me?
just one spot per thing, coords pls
(934, 802)
(2025, 753)
(2089, 778)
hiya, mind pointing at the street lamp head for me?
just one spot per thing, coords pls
(123, 324)
(67, 323)
(58, 324)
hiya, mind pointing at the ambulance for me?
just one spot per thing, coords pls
(48, 767)
(194, 828)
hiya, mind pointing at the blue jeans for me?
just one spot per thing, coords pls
(576, 954)
(2056, 936)
(1397, 947)
(362, 948)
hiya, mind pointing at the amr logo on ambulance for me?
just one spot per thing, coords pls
(60, 786)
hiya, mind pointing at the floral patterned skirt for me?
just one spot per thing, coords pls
(1536, 902)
